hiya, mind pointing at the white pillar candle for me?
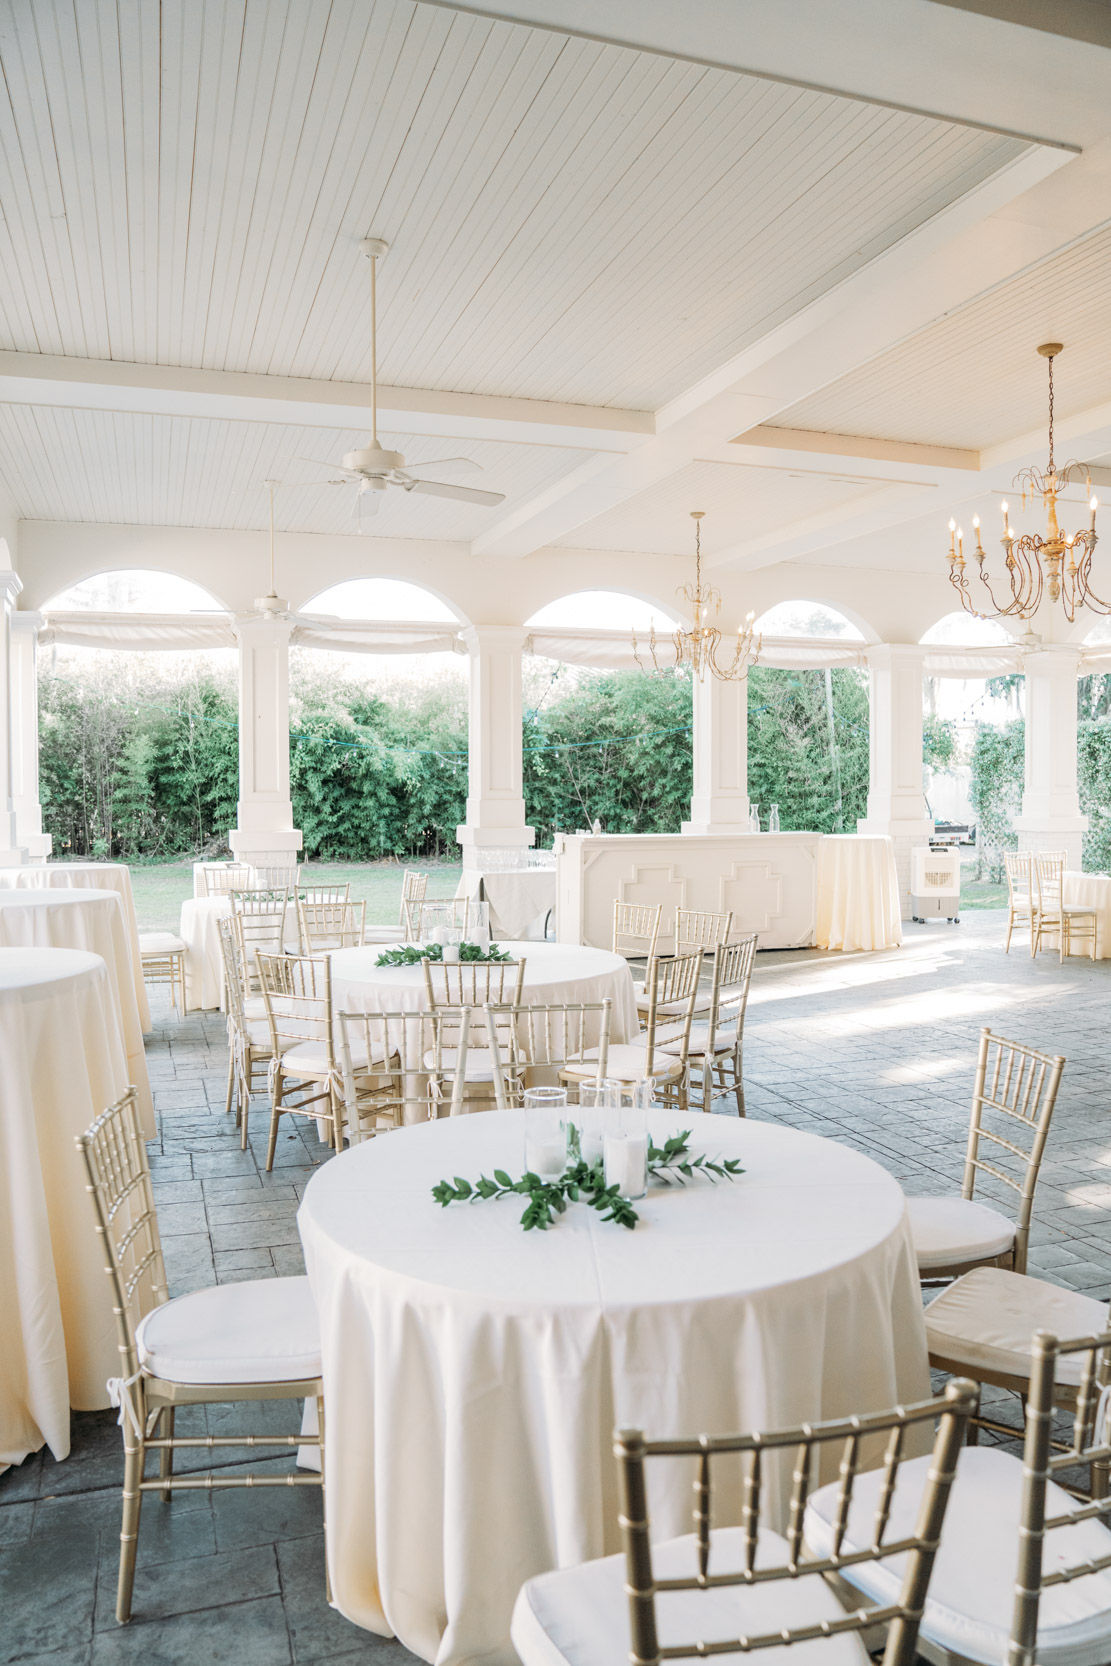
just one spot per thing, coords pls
(451, 954)
(626, 1158)
(546, 1157)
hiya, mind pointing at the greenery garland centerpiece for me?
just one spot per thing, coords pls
(584, 1182)
(411, 954)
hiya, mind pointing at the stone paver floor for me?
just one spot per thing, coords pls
(876, 1051)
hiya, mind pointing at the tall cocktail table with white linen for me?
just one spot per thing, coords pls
(474, 1373)
(520, 899)
(858, 902)
(92, 921)
(91, 876)
(554, 973)
(204, 968)
(1091, 890)
(61, 1062)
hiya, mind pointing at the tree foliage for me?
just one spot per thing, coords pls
(998, 762)
(808, 747)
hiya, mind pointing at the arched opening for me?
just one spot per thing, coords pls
(134, 590)
(962, 629)
(381, 598)
(801, 618)
(602, 610)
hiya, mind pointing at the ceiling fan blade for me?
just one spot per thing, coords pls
(465, 494)
(334, 468)
(458, 465)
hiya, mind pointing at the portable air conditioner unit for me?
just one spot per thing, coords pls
(935, 884)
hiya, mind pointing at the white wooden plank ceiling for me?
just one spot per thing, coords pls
(120, 468)
(973, 379)
(185, 183)
(740, 503)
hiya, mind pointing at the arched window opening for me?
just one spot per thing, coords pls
(135, 590)
(966, 630)
(381, 598)
(803, 618)
(606, 610)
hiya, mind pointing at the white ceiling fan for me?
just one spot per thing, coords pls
(374, 469)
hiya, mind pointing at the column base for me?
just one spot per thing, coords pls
(267, 847)
(477, 841)
(38, 846)
(905, 835)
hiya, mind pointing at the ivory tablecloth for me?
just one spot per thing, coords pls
(93, 921)
(520, 899)
(98, 876)
(1092, 890)
(474, 1373)
(554, 973)
(858, 900)
(62, 1062)
(204, 967)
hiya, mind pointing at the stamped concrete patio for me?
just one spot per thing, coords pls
(876, 1051)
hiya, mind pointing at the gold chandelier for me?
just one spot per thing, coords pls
(1061, 562)
(701, 645)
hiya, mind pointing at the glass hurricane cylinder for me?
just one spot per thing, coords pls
(587, 1122)
(545, 1113)
(625, 1144)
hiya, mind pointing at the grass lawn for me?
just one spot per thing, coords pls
(161, 887)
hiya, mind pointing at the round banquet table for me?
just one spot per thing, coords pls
(474, 1373)
(62, 1062)
(92, 921)
(554, 973)
(96, 876)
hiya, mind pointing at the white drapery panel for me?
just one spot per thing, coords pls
(972, 662)
(1095, 659)
(368, 636)
(143, 632)
(613, 650)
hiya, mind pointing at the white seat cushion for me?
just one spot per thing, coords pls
(480, 1063)
(626, 1062)
(311, 1059)
(968, 1608)
(949, 1230)
(160, 942)
(254, 1007)
(258, 1034)
(672, 1009)
(725, 1040)
(985, 1320)
(579, 1616)
(261, 1331)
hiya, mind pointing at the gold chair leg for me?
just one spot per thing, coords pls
(129, 1528)
(231, 1080)
(166, 1453)
(275, 1115)
(323, 1494)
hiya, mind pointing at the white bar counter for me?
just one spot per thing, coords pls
(769, 880)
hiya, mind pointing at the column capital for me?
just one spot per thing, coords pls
(895, 653)
(28, 622)
(10, 586)
(505, 637)
(273, 628)
(1053, 658)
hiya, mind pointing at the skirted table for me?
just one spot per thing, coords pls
(94, 876)
(520, 899)
(474, 1373)
(62, 1062)
(858, 903)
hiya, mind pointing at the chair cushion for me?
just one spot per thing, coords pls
(263, 1330)
(949, 1230)
(673, 1009)
(160, 942)
(699, 1040)
(255, 1007)
(579, 1616)
(311, 1059)
(626, 1062)
(968, 1607)
(480, 1063)
(985, 1320)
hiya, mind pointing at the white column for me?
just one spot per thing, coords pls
(719, 803)
(896, 800)
(1051, 818)
(12, 854)
(265, 832)
(495, 800)
(25, 736)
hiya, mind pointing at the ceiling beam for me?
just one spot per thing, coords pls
(755, 444)
(159, 390)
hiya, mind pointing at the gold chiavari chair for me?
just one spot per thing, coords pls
(231, 876)
(304, 1075)
(636, 927)
(747, 1589)
(464, 985)
(1013, 1095)
(1020, 895)
(249, 1049)
(255, 1340)
(673, 989)
(1023, 1571)
(315, 894)
(278, 876)
(414, 888)
(715, 1044)
(461, 1062)
(331, 925)
(392, 1088)
(696, 929)
(162, 958)
(531, 1046)
(258, 919)
(1050, 915)
(422, 917)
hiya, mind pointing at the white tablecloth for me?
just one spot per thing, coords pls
(93, 921)
(204, 967)
(554, 973)
(858, 893)
(1092, 890)
(520, 899)
(62, 1062)
(474, 1373)
(96, 876)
